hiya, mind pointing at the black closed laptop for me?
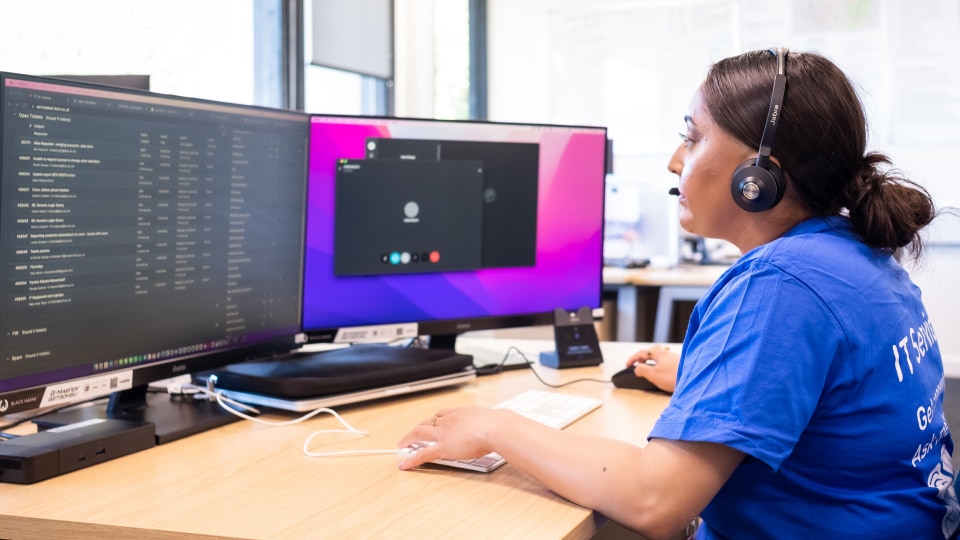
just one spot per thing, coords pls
(341, 371)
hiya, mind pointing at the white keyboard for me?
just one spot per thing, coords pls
(553, 409)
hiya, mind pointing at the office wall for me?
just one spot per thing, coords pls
(632, 65)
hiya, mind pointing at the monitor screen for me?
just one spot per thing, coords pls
(430, 227)
(142, 236)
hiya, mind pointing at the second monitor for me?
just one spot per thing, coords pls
(430, 227)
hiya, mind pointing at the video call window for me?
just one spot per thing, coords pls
(397, 216)
(509, 229)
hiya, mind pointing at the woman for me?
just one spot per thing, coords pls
(808, 398)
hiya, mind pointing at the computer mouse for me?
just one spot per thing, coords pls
(626, 378)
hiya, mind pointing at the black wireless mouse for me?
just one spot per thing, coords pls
(626, 378)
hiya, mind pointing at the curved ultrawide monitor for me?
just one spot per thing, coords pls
(429, 227)
(142, 236)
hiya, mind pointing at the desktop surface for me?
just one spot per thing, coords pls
(247, 480)
(698, 275)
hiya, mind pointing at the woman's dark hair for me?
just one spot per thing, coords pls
(821, 144)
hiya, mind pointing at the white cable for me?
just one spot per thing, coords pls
(306, 444)
(223, 401)
(193, 389)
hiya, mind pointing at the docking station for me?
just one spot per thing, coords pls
(45, 454)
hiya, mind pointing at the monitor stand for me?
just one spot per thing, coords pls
(174, 417)
(443, 341)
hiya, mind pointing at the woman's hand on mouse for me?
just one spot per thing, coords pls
(658, 364)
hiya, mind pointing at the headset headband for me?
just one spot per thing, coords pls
(776, 104)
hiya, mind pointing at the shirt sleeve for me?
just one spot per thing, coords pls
(757, 354)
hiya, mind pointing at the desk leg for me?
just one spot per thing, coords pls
(626, 313)
(669, 295)
(636, 309)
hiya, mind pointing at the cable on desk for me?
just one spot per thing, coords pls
(225, 402)
(493, 369)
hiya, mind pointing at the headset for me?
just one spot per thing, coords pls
(758, 184)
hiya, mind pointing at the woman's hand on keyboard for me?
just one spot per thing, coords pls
(456, 433)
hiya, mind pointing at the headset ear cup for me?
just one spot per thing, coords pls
(756, 189)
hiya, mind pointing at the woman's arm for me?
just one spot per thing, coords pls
(656, 490)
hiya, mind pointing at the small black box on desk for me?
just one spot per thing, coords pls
(575, 338)
(45, 454)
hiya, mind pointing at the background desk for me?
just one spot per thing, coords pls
(247, 480)
(645, 297)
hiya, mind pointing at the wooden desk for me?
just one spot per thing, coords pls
(639, 291)
(247, 480)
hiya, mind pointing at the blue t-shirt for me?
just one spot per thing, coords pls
(814, 356)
